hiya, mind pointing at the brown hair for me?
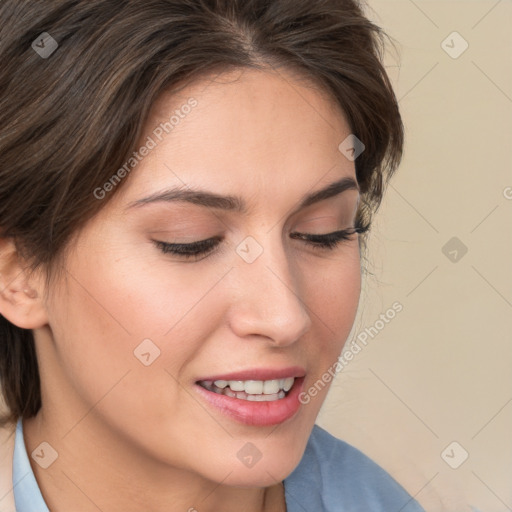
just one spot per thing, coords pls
(68, 122)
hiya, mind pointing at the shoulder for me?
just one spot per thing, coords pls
(335, 476)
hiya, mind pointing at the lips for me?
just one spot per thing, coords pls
(257, 397)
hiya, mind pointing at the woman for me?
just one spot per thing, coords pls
(184, 190)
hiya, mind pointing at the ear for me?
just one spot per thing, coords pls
(20, 294)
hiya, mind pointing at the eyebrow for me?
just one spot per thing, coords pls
(236, 203)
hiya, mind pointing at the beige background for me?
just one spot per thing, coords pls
(441, 370)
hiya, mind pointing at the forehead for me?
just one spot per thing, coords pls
(253, 131)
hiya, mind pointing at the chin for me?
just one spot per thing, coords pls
(259, 476)
(255, 469)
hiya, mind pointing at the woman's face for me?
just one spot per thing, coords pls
(138, 333)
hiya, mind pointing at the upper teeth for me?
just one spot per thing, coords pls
(257, 387)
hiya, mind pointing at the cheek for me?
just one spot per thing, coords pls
(113, 302)
(93, 339)
(109, 307)
(333, 296)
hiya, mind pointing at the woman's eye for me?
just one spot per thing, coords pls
(330, 241)
(189, 251)
(203, 247)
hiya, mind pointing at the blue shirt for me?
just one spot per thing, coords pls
(332, 476)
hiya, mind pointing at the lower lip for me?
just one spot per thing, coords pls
(259, 414)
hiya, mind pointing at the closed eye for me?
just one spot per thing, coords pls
(327, 242)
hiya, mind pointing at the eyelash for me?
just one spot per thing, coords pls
(327, 242)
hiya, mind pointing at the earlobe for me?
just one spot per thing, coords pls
(20, 298)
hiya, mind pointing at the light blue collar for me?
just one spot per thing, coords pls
(27, 496)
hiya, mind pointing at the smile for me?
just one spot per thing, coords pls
(253, 402)
(251, 390)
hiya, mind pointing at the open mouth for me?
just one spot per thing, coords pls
(251, 390)
(255, 402)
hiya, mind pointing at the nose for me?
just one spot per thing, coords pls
(268, 298)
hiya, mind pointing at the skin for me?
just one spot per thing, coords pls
(143, 431)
